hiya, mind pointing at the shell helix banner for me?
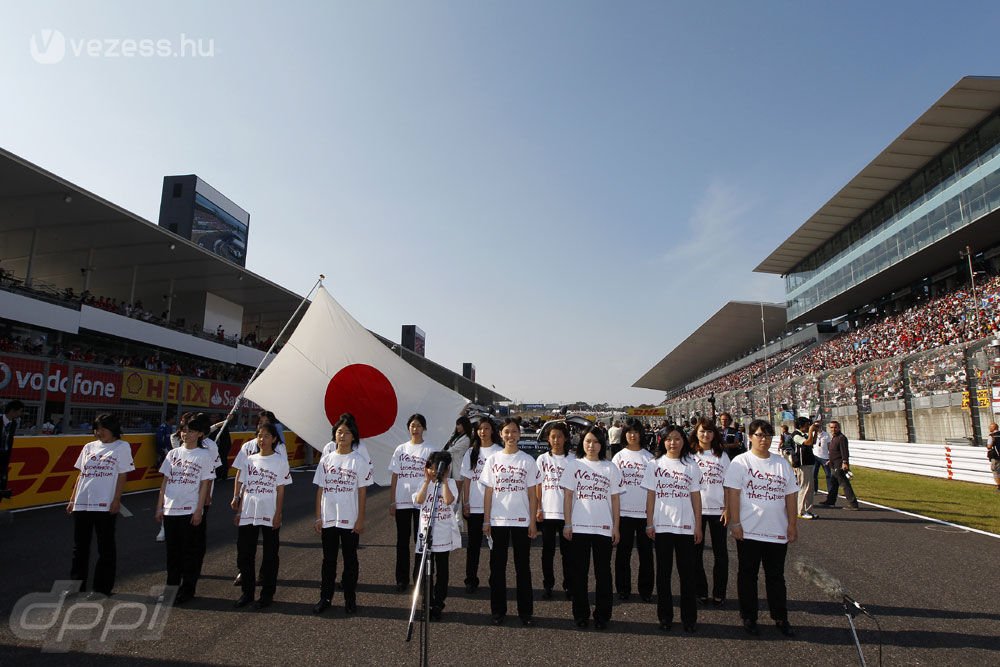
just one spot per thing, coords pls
(140, 385)
(42, 472)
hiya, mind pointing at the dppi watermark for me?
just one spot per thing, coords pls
(49, 47)
(60, 617)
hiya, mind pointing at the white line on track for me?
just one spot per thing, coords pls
(926, 518)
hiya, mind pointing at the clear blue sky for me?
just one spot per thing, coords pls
(557, 191)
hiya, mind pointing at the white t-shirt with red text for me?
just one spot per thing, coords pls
(340, 476)
(100, 464)
(763, 485)
(713, 474)
(408, 463)
(475, 486)
(261, 477)
(552, 467)
(185, 469)
(633, 468)
(672, 481)
(592, 484)
(446, 534)
(512, 477)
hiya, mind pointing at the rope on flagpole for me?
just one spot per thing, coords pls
(256, 372)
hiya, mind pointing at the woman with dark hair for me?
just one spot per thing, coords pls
(510, 504)
(407, 468)
(342, 478)
(187, 472)
(260, 499)
(673, 505)
(551, 464)
(347, 419)
(706, 442)
(96, 500)
(485, 443)
(591, 507)
(761, 499)
(445, 537)
(458, 444)
(632, 461)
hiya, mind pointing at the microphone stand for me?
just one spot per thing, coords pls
(850, 608)
(424, 580)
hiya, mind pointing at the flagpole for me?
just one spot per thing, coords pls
(256, 372)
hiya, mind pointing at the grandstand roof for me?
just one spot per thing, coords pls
(735, 329)
(75, 227)
(959, 110)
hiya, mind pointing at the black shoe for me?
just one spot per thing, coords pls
(600, 625)
(784, 628)
(401, 587)
(719, 602)
(470, 588)
(623, 596)
(582, 623)
(244, 600)
(498, 619)
(183, 597)
(547, 594)
(666, 625)
(238, 579)
(263, 603)
(351, 607)
(703, 599)
(852, 507)
(321, 606)
(750, 627)
(648, 597)
(569, 594)
(436, 613)
(527, 621)
(690, 627)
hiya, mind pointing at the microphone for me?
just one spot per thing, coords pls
(442, 466)
(828, 584)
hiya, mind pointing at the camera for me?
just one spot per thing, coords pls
(730, 438)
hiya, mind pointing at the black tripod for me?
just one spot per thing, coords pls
(424, 579)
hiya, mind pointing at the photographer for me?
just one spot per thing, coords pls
(732, 440)
(804, 442)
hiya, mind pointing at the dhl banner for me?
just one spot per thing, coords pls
(647, 412)
(42, 472)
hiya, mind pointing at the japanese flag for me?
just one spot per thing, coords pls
(331, 365)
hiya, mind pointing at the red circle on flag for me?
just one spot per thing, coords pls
(367, 394)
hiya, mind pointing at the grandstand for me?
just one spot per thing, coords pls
(103, 310)
(892, 296)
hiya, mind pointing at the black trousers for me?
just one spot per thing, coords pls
(667, 546)
(474, 526)
(439, 577)
(185, 551)
(837, 480)
(246, 557)
(633, 532)
(711, 525)
(552, 533)
(4, 466)
(406, 529)
(583, 546)
(85, 525)
(505, 537)
(752, 554)
(346, 541)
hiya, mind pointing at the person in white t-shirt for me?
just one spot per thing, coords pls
(673, 505)
(822, 453)
(342, 479)
(458, 444)
(485, 443)
(591, 508)
(706, 442)
(260, 499)
(551, 465)
(96, 500)
(445, 537)
(510, 505)
(407, 467)
(188, 472)
(761, 501)
(632, 461)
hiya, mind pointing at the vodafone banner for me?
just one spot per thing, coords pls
(25, 378)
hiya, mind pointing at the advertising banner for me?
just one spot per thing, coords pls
(140, 385)
(647, 412)
(25, 379)
(42, 472)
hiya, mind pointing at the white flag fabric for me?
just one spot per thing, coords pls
(331, 365)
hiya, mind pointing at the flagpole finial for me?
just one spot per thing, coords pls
(322, 277)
